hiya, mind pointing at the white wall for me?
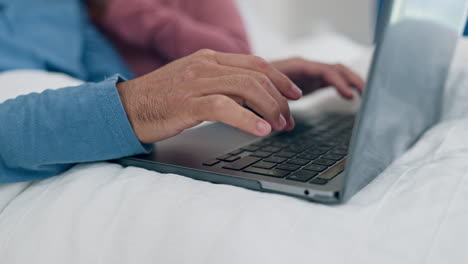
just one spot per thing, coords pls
(295, 18)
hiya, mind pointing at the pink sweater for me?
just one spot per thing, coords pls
(151, 33)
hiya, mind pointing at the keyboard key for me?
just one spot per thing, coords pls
(264, 165)
(271, 149)
(261, 154)
(318, 181)
(288, 167)
(325, 162)
(343, 147)
(242, 163)
(302, 175)
(260, 144)
(333, 156)
(333, 142)
(303, 145)
(298, 161)
(276, 159)
(333, 171)
(251, 148)
(316, 151)
(231, 159)
(325, 146)
(236, 152)
(285, 154)
(224, 157)
(339, 151)
(315, 167)
(272, 173)
(211, 163)
(295, 149)
(279, 144)
(228, 158)
(307, 156)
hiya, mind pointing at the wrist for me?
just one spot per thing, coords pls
(126, 97)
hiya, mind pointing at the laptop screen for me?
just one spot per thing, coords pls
(404, 94)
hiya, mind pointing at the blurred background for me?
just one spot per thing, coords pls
(293, 19)
(324, 30)
(331, 31)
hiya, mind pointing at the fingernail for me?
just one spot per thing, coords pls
(297, 91)
(263, 127)
(282, 121)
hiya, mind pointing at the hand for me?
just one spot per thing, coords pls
(209, 86)
(310, 76)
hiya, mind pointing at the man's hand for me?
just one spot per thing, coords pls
(310, 76)
(214, 86)
(209, 86)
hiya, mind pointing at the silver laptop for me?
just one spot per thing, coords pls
(330, 157)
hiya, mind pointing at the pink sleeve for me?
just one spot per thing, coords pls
(177, 32)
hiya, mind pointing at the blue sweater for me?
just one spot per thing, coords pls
(42, 135)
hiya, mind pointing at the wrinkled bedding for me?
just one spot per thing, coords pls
(415, 212)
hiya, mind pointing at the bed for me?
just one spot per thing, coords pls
(414, 212)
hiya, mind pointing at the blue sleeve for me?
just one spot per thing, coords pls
(100, 59)
(42, 135)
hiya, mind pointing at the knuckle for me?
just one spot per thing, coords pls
(340, 66)
(218, 103)
(244, 79)
(329, 71)
(329, 67)
(207, 53)
(297, 60)
(260, 63)
(239, 82)
(262, 79)
(189, 73)
(247, 82)
(195, 68)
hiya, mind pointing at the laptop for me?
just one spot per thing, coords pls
(331, 156)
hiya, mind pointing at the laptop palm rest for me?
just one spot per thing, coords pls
(195, 146)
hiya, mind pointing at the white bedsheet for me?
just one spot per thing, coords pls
(415, 212)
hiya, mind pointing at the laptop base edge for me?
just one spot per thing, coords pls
(310, 194)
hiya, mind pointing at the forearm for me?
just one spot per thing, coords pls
(169, 30)
(44, 134)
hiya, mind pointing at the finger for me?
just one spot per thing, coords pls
(204, 69)
(252, 92)
(220, 108)
(284, 85)
(353, 78)
(331, 75)
(221, 70)
(333, 78)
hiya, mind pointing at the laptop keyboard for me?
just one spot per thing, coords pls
(315, 152)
